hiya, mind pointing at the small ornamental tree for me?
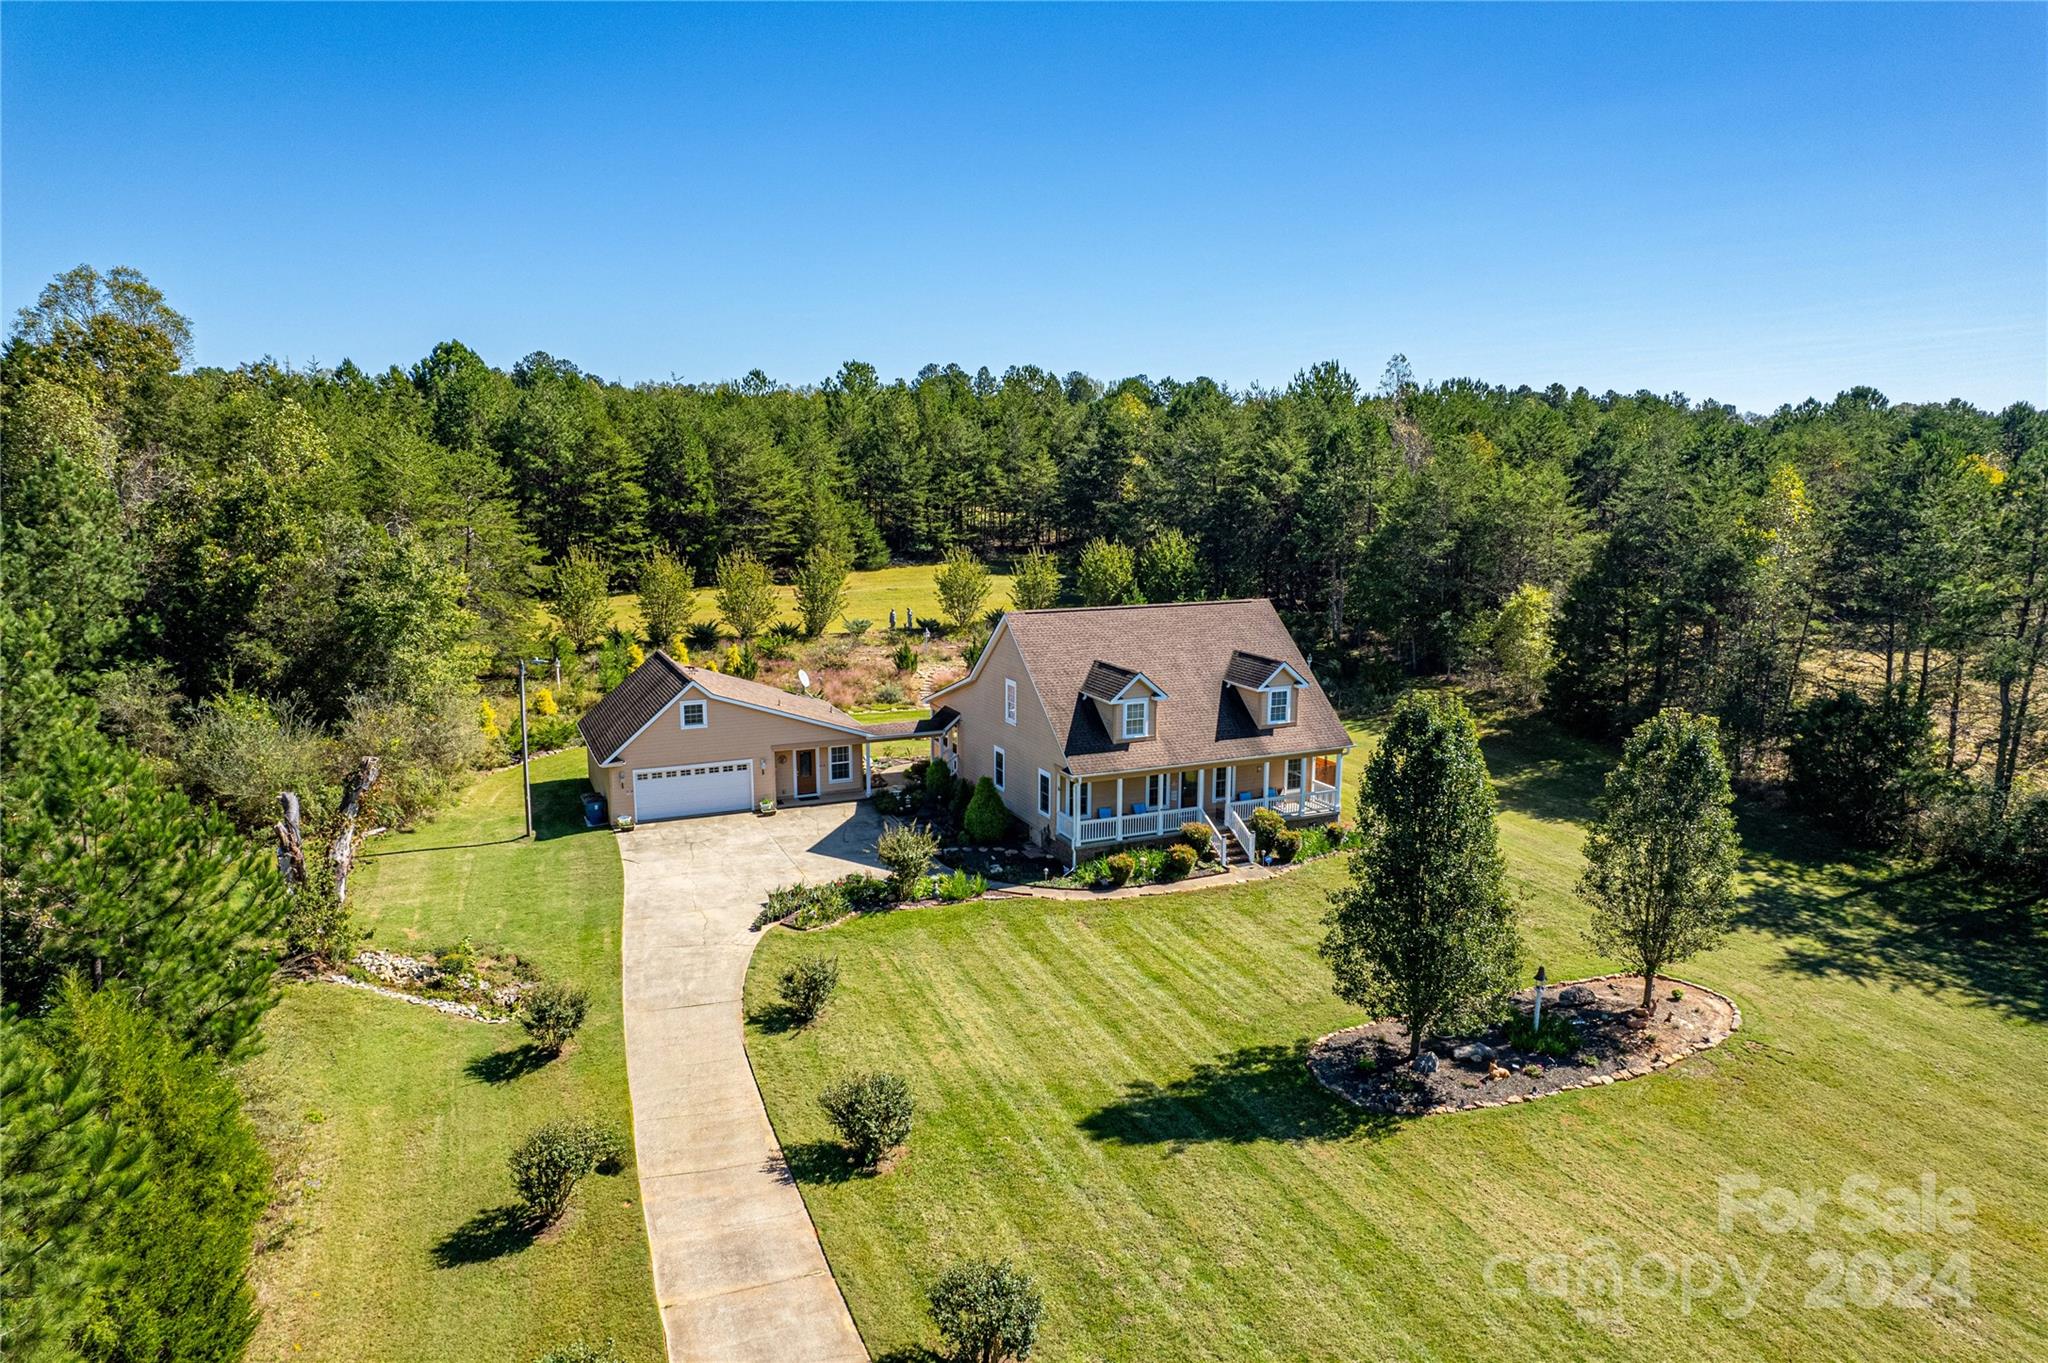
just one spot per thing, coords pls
(746, 596)
(1660, 855)
(872, 1113)
(1169, 569)
(808, 986)
(552, 1013)
(986, 1312)
(583, 597)
(1036, 586)
(987, 819)
(1426, 930)
(1107, 575)
(907, 850)
(963, 584)
(820, 588)
(668, 598)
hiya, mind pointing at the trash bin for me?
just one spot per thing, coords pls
(593, 809)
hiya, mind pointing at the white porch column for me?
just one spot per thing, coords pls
(1340, 785)
(867, 767)
(1265, 778)
(1230, 788)
(1119, 808)
(1308, 778)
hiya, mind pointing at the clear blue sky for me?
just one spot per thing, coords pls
(1749, 203)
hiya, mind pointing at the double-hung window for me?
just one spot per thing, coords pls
(1294, 773)
(1155, 784)
(696, 714)
(1137, 716)
(839, 764)
(1279, 705)
(1044, 791)
(1222, 783)
(1001, 769)
(1009, 701)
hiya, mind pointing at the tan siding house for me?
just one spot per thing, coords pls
(673, 741)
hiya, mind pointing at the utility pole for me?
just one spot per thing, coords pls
(525, 749)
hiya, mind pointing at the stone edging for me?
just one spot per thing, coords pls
(448, 1006)
(1711, 1040)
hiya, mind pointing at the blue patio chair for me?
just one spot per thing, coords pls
(1105, 813)
(1140, 807)
(1271, 791)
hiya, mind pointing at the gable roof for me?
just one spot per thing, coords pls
(1252, 671)
(652, 687)
(1107, 681)
(1187, 650)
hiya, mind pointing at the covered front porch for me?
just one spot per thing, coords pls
(1100, 811)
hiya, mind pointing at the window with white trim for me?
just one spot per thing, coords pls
(696, 714)
(1154, 784)
(1009, 701)
(1137, 718)
(1087, 809)
(1044, 791)
(1279, 705)
(1294, 773)
(839, 764)
(1222, 783)
(1001, 767)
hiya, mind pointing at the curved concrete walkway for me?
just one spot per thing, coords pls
(738, 1273)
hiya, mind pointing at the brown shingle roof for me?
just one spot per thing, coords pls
(608, 725)
(1187, 649)
(931, 726)
(1249, 669)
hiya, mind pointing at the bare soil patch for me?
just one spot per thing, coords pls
(1368, 1065)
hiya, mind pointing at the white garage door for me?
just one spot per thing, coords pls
(678, 792)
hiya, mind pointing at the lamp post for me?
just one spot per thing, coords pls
(526, 749)
(1540, 978)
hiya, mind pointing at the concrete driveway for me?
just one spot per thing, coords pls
(738, 1272)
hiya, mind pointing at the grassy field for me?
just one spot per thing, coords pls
(870, 596)
(1112, 1094)
(390, 1123)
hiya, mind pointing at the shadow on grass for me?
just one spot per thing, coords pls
(915, 1353)
(1259, 1093)
(502, 1067)
(490, 1234)
(820, 1162)
(776, 1018)
(558, 808)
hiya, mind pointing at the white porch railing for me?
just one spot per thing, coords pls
(1318, 799)
(1240, 831)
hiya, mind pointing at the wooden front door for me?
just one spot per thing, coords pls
(806, 773)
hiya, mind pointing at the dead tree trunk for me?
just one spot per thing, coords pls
(291, 847)
(341, 853)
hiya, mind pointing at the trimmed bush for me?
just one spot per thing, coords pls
(552, 1013)
(865, 893)
(986, 1312)
(1198, 836)
(1266, 826)
(938, 785)
(545, 1169)
(906, 656)
(1180, 861)
(961, 886)
(603, 1145)
(907, 850)
(987, 819)
(872, 1113)
(1286, 845)
(1119, 867)
(807, 987)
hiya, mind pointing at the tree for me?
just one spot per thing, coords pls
(746, 597)
(1518, 641)
(100, 335)
(668, 598)
(962, 580)
(1168, 568)
(1036, 586)
(1862, 766)
(1661, 852)
(1107, 576)
(113, 875)
(986, 1312)
(1426, 931)
(820, 588)
(583, 600)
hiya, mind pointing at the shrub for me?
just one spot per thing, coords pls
(1340, 832)
(886, 801)
(986, 1312)
(457, 960)
(807, 987)
(1859, 765)
(603, 1146)
(703, 634)
(872, 1113)
(582, 1352)
(1180, 861)
(545, 1169)
(906, 656)
(1556, 1038)
(551, 1014)
(889, 693)
(1286, 845)
(1266, 826)
(855, 627)
(961, 886)
(1198, 836)
(823, 905)
(908, 851)
(865, 893)
(986, 820)
(778, 643)
(2000, 837)
(971, 650)
(740, 662)
(1120, 867)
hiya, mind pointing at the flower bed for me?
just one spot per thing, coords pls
(461, 980)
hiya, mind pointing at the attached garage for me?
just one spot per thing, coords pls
(679, 792)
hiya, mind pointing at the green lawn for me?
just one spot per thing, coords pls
(390, 1122)
(1112, 1094)
(870, 596)
(903, 747)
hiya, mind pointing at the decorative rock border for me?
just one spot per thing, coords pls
(448, 1006)
(1664, 1060)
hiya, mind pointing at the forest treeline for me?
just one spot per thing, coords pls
(219, 584)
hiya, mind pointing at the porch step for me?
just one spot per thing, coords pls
(1234, 852)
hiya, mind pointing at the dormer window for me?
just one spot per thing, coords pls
(1137, 719)
(1279, 705)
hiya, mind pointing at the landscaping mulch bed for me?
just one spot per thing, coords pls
(1368, 1065)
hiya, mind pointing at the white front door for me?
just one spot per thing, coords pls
(706, 788)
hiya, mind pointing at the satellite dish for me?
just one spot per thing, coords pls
(803, 679)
